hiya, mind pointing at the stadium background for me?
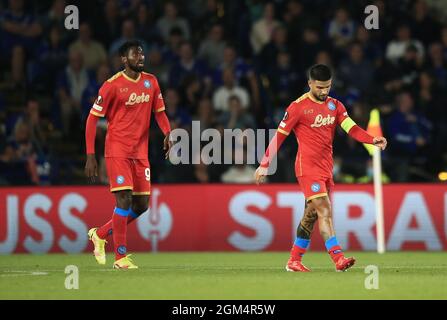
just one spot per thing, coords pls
(203, 52)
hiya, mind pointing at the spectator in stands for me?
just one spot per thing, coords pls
(269, 53)
(371, 49)
(18, 27)
(356, 72)
(295, 20)
(186, 66)
(145, 25)
(437, 64)
(51, 57)
(109, 23)
(177, 115)
(409, 133)
(171, 20)
(262, 29)
(56, 18)
(127, 33)
(309, 47)
(23, 150)
(37, 133)
(90, 92)
(244, 73)
(431, 100)
(157, 65)
(341, 28)
(409, 67)
(205, 114)
(229, 88)
(206, 16)
(171, 49)
(397, 47)
(71, 85)
(236, 117)
(93, 52)
(284, 79)
(191, 91)
(423, 26)
(242, 69)
(212, 48)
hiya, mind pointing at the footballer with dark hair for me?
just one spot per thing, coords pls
(313, 118)
(127, 100)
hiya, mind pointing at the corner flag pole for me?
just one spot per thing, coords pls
(380, 225)
(375, 130)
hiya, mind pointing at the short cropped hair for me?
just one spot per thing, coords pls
(124, 48)
(319, 72)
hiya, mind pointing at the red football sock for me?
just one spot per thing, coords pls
(297, 253)
(336, 253)
(106, 230)
(119, 225)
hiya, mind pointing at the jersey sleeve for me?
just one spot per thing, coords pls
(343, 118)
(290, 119)
(106, 95)
(158, 102)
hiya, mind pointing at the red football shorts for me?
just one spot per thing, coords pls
(129, 174)
(315, 186)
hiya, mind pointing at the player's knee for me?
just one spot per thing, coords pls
(140, 204)
(139, 209)
(323, 208)
(311, 215)
(123, 199)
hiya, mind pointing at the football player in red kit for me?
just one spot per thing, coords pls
(127, 100)
(313, 119)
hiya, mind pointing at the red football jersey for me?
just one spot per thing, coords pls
(127, 105)
(313, 123)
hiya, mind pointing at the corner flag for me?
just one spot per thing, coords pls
(373, 129)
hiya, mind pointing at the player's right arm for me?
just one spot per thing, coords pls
(286, 126)
(99, 109)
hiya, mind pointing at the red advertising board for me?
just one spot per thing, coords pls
(221, 218)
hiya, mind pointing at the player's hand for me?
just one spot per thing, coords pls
(260, 175)
(380, 142)
(167, 145)
(91, 168)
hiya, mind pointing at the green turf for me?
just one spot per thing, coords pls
(403, 275)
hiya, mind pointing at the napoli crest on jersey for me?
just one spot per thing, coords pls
(147, 83)
(331, 106)
(120, 180)
(315, 187)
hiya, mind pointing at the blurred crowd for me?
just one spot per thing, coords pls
(228, 64)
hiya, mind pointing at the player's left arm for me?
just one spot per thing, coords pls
(162, 120)
(355, 131)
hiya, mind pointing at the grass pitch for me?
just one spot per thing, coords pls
(403, 275)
